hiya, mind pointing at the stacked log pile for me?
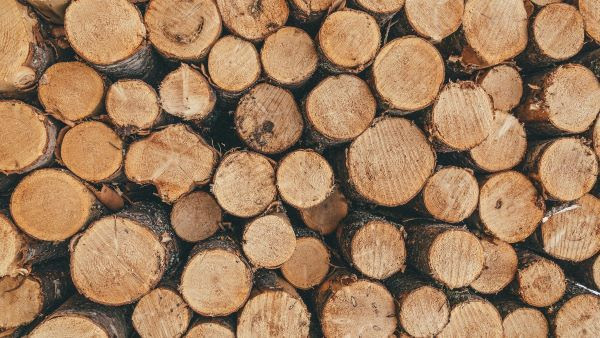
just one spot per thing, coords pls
(273, 168)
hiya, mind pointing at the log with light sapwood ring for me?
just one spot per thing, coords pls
(196, 216)
(183, 30)
(347, 304)
(407, 74)
(382, 11)
(309, 263)
(565, 100)
(217, 279)
(253, 20)
(110, 35)
(588, 272)
(106, 270)
(499, 267)
(28, 138)
(268, 119)
(545, 164)
(53, 205)
(186, 93)
(473, 314)
(423, 309)
(504, 84)
(213, 327)
(269, 240)
(372, 245)
(539, 281)
(348, 41)
(326, 217)
(258, 191)
(510, 207)
(161, 313)
(133, 106)
(590, 10)
(451, 255)
(390, 154)
(174, 159)
(432, 20)
(51, 10)
(577, 314)
(519, 320)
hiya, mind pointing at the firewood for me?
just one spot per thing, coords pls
(590, 11)
(382, 11)
(473, 314)
(51, 10)
(25, 297)
(407, 74)
(161, 313)
(519, 320)
(217, 279)
(347, 304)
(174, 159)
(449, 195)
(348, 41)
(451, 255)
(545, 164)
(121, 257)
(186, 93)
(309, 263)
(423, 309)
(233, 65)
(432, 20)
(25, 53)
(269, 241)
(268, 119)
(539, 281)
(258, 191)
(28, 138)
(253, 20)
(588, 272)
(562, 101)
(133, 106)
(215, 327)
(325, 217)
(372, 245)
(510, 208)
(274, 309)
(339, 108)
(576, 315)
(53, 205)
(196, 217)
(504, 84)
(499, 267)
(308, 12)
(183, 30)
(392, 153)
(78, 317)
(461, 118)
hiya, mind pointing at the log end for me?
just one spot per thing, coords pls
(186, 93)
(558, 31)
(161, 313)
(233, 64)
(476, 316)
(309, 264)
(22, 299)
(133, 104)
(504, 84)
(456, 258)
(499, 267)
(578, 317)
(196, 216)
(541, 283)
(325, 217)
(451, 194)
(269, 241)
(525, 321)
(424, 312)
(434, 20)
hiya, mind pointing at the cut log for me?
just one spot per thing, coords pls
(186, 93)
(206, 328)
(339, 108)
(510, 207)
(576, 315)
(519, 320)
(461, 117)
(382, 11)
(51, 10)
(161, 313)
(504, 85)
(274, 309)
(392, 153)
(217, 279)
(183, 30)
(257, 192)
(269, 241)
(372, 245)
(309, 264)
(451, 255)
(565, 100)
(539, 282)
(423, 309)
(347, 304)
(499, 267)
(133, 106)
(253, 20)
(268, 120)
(545, 163)
(78, 317)
(233, 65)
(304, 178)
(174, 159)
(53, 205)
(311, 11)
(110, 35)
(449, 195)
(588, 272)
(325, 217)
(590, 11)
(407, 74)
(28, 138)
(473, 314)
(196, 217)
(121, 257)
(289, 57)
(92, 151)
(25, 297)
(25, 54)
(348, 41)
(433, 20)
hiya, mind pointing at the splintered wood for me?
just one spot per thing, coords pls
(299, 168)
